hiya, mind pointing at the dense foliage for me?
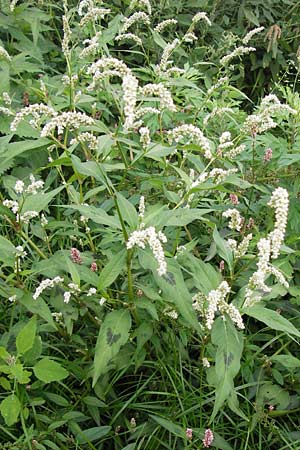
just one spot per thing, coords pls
(149, 233)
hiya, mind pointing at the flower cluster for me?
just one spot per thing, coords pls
(251, 33)
(106, 67)
(71, 120)
(130, 88)
(193, 134)
(154, 239)
(239, 51)
(92, 45)
(45, 284)
(94, 14)
(280, 202)
(161, 92)
(86, 138)
(36, 110)
(267, 248)
(164, 24)
(129, 37)
(209, 305)
(139, 17)
(208, 438)
(239, 250)
(4, 54)
(201, 16)
(262, 121)
(75, 256)
(34, 185)
(145, 136)
(65, 45)
(164, 62)
(236, 221)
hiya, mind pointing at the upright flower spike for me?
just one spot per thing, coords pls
(280, 202)
(149, 236)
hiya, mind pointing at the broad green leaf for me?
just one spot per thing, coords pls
(223, 248)
(17, 148)
(92, 169)
(47, 370)
(7, 252)
(205, 276)
(97, 215)
(181, 217)
(38, 307)
(10, 409)
(229, 346)
(39, 202)
(173, 286)
(92, 434)
(26, 337)
(114, 332)
(288, 361)
(128, 211)
(272, 319)
(112, 269)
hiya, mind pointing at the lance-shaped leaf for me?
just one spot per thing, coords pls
(273, 319)
(229, 351)
(114, 333)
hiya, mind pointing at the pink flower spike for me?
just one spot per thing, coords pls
(189, 433)
(208, 438)
(234, 199)
(75, 256)
(268, 154)
(94, 267)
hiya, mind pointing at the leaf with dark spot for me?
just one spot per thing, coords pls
(111, 337)
(228, 358)
(169, 277)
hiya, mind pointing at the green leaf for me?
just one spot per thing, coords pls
(274, 394)
(288, 361)
(114, 333)
(205, 276)
(7, 252)
(130, 446)
(229, 351)
(173, 428)
(10, 409)
(173, 286)
(39, 201)
(26, 337)
(181, 217)
(223, 248)
(92, 434)
(21, 375)
(128, 211)
(4, 353)
(112, 269)
(47, 370)
(92, 169)
(272, 319)
(17, 148)
(38, 307)
(98, 215)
